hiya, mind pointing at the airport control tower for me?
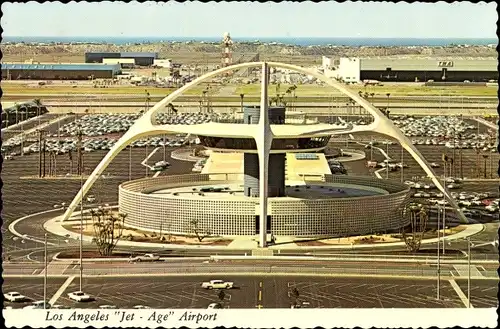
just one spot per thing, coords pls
(276, 181)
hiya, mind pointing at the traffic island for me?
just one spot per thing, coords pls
(136, 235)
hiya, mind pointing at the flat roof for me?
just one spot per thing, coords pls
(62, 67)
(125, 54)
(429, 64)
(295, 190)
(232, 163)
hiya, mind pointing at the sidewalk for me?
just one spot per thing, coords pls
(250, 242)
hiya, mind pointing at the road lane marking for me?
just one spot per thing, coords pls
(460, 293)
(59, 292)
(409, 300)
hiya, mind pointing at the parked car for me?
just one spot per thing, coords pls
(38, 305)
(79, 296)
(14, 296)
(141, 307)
(217, 284)
(214, 306)
(107, 307)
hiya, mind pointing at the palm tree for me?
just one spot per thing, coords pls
(242, 96)
(38, 105)
(17, 107)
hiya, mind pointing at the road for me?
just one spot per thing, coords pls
(257, 292)
(327, 266)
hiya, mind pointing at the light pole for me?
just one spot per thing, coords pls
(81, 224)
(130, 162)
(371, 148)
(402, 165)
(45, 275)
(485, 156)
(468, 272)
(387, 164)
(438, 258)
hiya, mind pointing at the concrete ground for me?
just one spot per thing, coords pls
(259, 291)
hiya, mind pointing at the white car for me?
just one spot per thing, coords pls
(14, 296)
(434, 165)
(38, 305)
(217, 284)
(107, 307)
(141, 307)
(91, 198)
(146, 258)
(79, 296)
(214, 306)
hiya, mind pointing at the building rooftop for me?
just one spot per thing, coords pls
(125, 54)
(62, 67)
(430, 64)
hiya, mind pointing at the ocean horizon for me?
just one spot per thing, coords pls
(299, 41)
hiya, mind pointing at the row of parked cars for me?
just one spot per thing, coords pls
(104, 124)
(433, 126)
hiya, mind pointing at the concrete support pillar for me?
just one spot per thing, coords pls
(263, 139)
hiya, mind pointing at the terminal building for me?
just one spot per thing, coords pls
(139, 59)
(304, 198)
(40, 71)
(402, 69)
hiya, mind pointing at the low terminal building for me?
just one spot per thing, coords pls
(354, 70)
(38, 71)
(15, 112)
(140, 59)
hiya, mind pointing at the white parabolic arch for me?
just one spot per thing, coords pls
(144, 126)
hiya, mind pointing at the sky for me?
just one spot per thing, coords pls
(251, 19)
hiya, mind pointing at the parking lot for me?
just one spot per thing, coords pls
(259, 291)
(32, 288)
(483, 293)
(27, 196)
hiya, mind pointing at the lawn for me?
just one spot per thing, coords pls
(18, 88)
(400, 90)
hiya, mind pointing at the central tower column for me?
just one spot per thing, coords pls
(263, 140)
(276, 174)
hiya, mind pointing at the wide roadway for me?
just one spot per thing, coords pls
(258, 291)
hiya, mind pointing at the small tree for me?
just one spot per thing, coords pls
(200, 233)
(108, 229)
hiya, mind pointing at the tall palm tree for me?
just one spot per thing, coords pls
(242, 96)
(17, 107)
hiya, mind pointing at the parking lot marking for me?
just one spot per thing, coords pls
(115, 295)
(312, 296)
(59, 292)
(34, 272)
(460, 293)
(166, 296)
(410, 300)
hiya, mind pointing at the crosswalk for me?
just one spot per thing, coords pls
(463, 271)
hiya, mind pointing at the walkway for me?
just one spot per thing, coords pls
(487, 123)
(249, 242)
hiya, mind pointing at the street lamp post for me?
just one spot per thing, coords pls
(81, 224)
(438, 258)
(387, 164)
(130, 162)
(45, 275)
(371, 148)
(485, 156)
(402, 165)
(468, 272)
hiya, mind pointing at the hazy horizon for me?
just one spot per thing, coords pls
(251, 20)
